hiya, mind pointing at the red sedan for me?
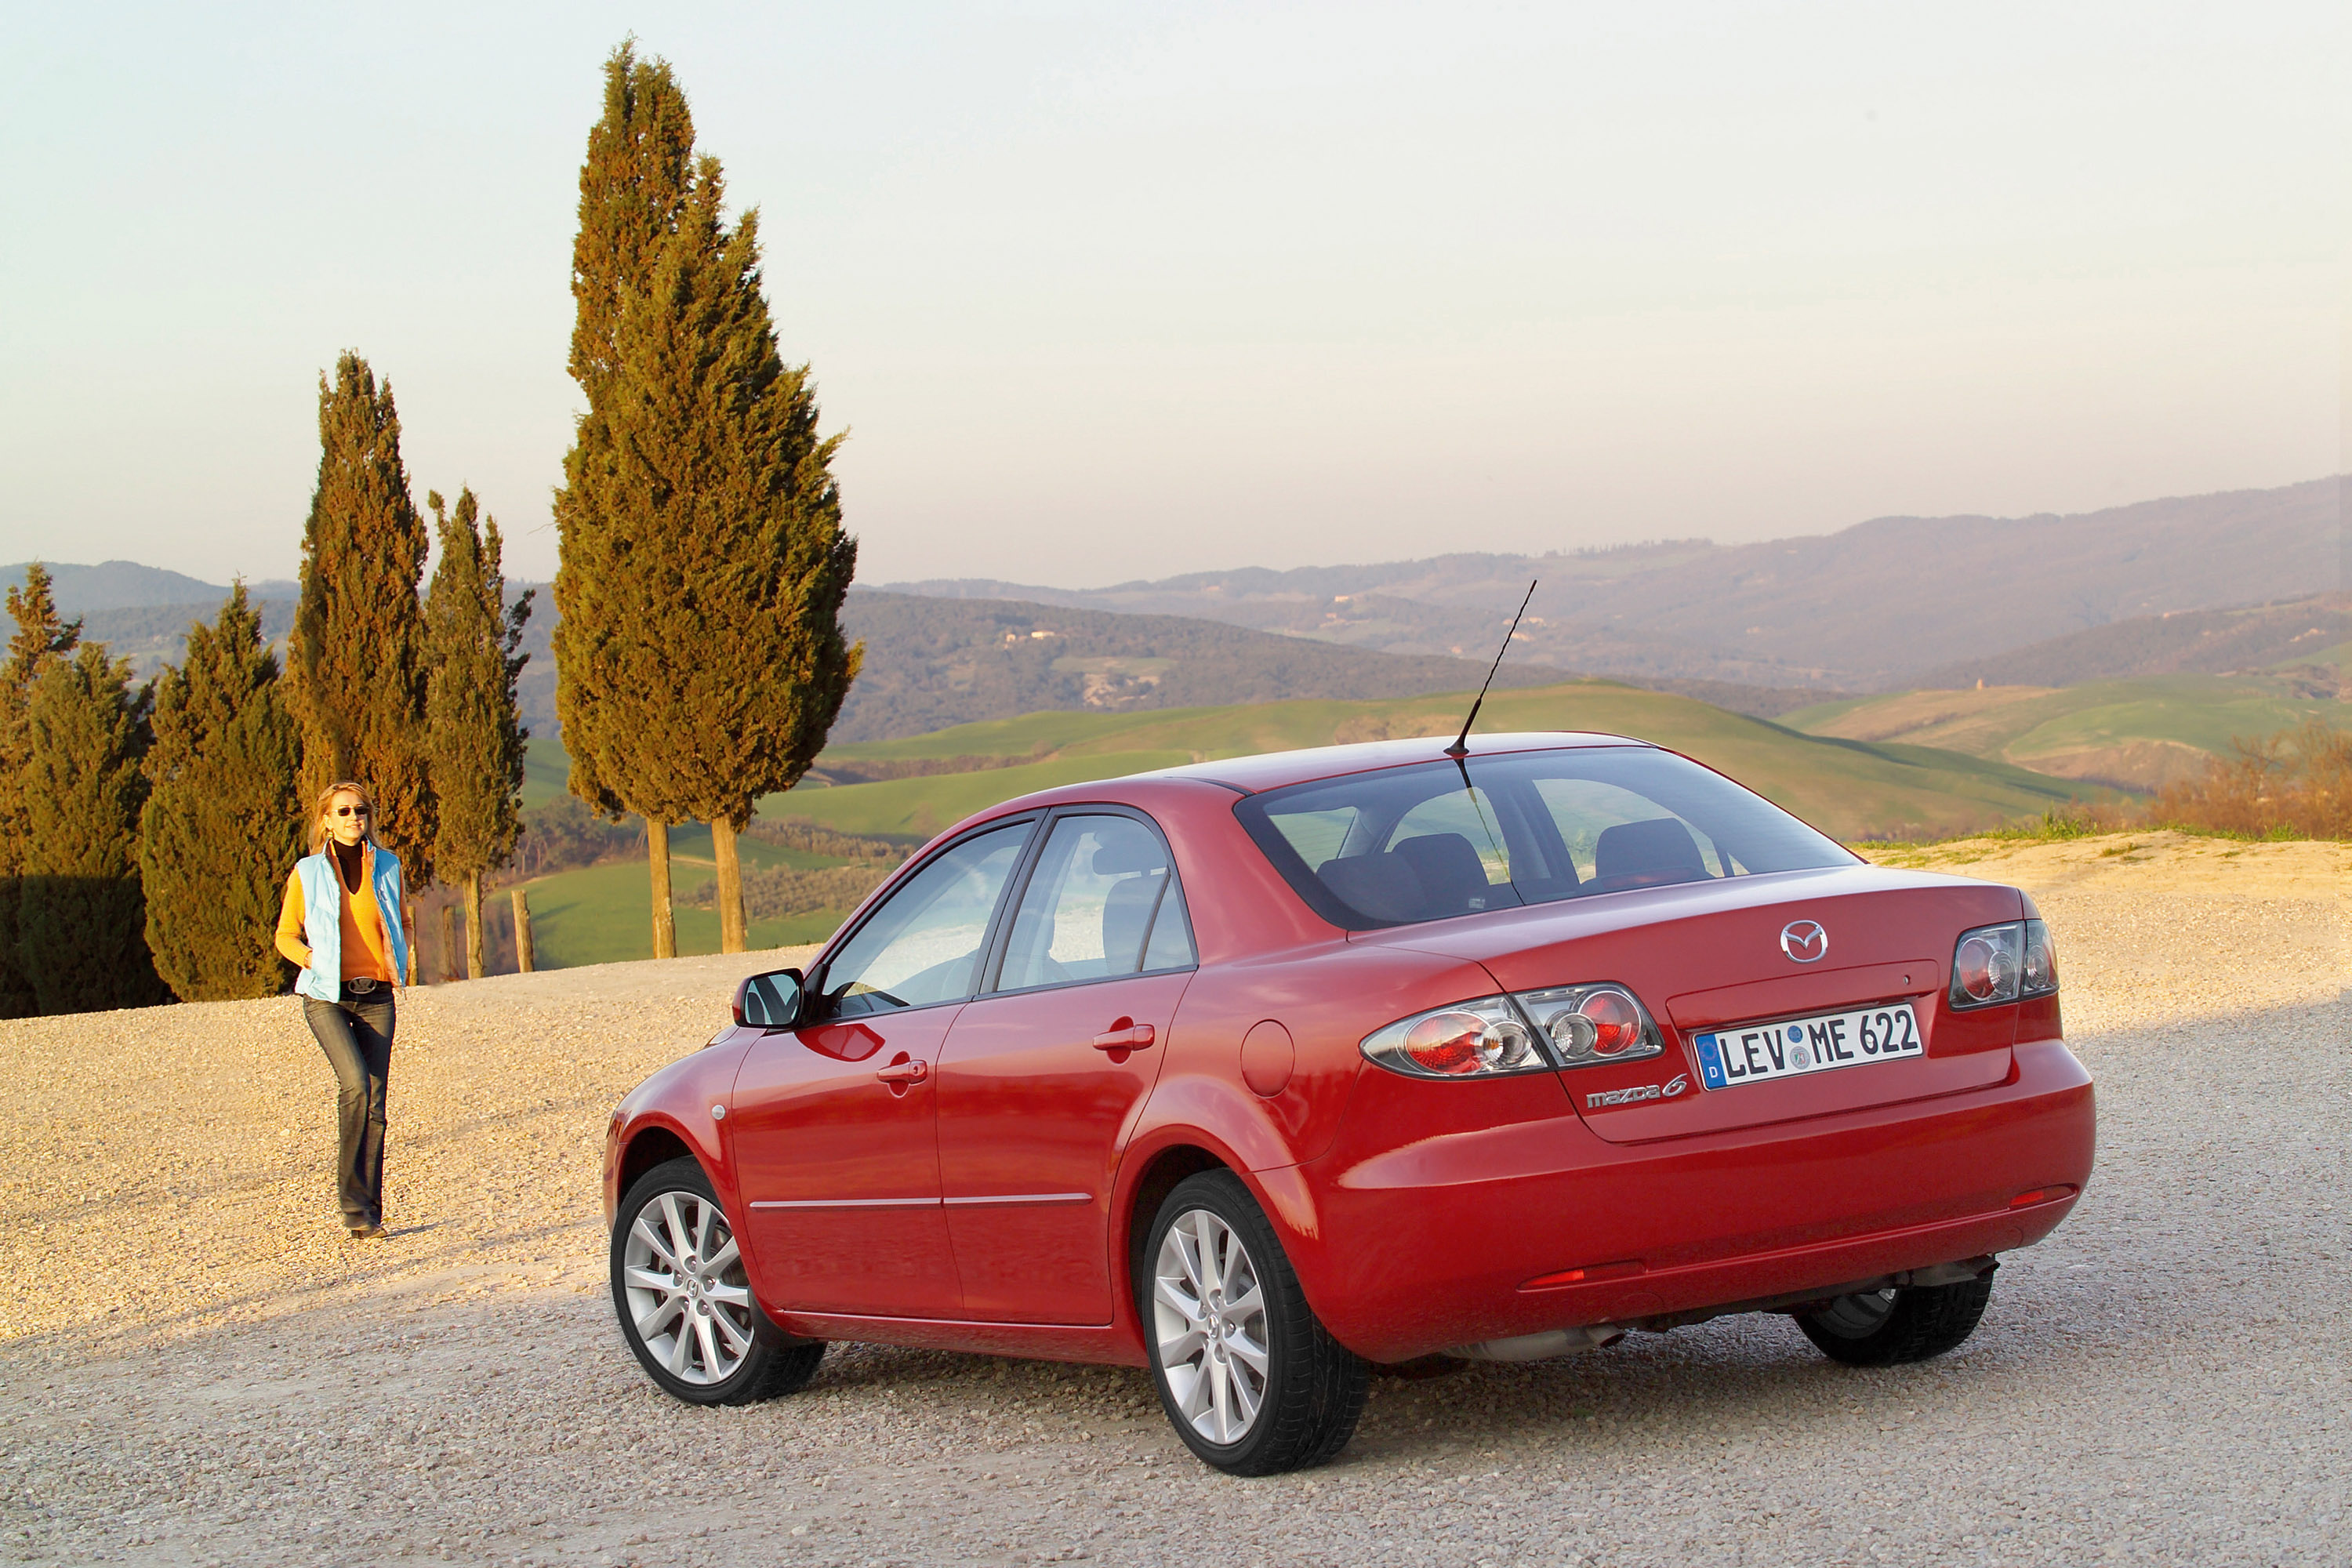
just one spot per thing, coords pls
(1258, 1072)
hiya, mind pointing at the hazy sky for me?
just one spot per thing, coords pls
(1104, 292)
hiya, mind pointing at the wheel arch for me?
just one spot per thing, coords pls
(651, 1145)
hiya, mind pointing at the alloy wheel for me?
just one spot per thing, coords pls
(1210, 1321)
(685, 1287)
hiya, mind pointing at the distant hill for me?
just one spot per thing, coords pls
(152, 637)
(932, 663)
(1874, 606)
(2300, 632)
(117, 585)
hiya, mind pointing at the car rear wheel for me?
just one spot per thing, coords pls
(1903, 1323)
(685, 1302)
(1250, 1378)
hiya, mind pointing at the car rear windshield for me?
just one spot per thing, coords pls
(1434, 840)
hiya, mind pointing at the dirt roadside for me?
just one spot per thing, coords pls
(196, 1366)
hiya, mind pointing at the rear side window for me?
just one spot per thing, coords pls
(1428, 842)
(1100, 903)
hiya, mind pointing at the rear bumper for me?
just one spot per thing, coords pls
(1685, 1224)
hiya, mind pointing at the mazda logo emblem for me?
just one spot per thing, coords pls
(1805, 940)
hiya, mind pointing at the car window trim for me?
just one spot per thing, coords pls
(819, 973)
(993, 964)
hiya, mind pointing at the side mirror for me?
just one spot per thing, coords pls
(770, 1001)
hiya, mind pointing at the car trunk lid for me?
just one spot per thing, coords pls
(1704, 957)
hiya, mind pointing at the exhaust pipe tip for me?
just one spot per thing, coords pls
(1538, 1347)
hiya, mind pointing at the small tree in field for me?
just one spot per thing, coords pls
(475, 737)
(222, 823)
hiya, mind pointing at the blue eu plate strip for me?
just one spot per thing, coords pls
(1710, 1063)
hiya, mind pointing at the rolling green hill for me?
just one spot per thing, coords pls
(2139, 733)
(1854, 789)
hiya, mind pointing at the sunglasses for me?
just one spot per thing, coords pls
(350, 811)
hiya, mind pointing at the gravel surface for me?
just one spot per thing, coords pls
(195, 1365)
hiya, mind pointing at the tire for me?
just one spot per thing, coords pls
(1906, 1323)
(1249, 1377)
(696, 1329)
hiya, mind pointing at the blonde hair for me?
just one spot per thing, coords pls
(327, 799)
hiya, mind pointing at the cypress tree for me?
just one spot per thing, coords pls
(81, 933)
(718, 529)
(475, 738)
(355, 660)
(223, 824)
(633, 185)
(41, 636)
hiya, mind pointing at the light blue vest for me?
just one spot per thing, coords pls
(322, 921)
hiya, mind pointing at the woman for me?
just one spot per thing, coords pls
(341, 922)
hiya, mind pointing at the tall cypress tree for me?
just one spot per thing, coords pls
(476, 736)
(633, 185)
(720, 530)
(725, 488)
(40, 637)
(81, 930)
(222, 823)
(355, 660)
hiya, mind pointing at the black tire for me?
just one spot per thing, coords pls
(1906, 1323)
(722, 1313)
(1313, 1388)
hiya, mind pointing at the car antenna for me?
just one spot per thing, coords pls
(1461, 747)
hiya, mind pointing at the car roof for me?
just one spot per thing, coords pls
(1274, 770)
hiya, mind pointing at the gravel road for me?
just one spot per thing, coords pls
(196, 1367)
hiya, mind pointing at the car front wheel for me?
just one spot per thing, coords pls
(685, 1302)
(1251, 1379)
(1909, 1322)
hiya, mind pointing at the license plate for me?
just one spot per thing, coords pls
(1755, 1053)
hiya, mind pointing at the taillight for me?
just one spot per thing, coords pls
(1588, 1024)
(2000, 963)
(1582, 1024)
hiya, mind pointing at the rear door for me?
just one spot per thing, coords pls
(1044, 1072)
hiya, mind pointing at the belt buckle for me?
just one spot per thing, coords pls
(362, 985)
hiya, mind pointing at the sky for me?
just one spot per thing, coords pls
(1103, 293)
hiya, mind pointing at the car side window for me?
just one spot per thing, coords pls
(923, 945)
(1102, 902)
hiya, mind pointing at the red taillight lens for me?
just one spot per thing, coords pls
(1446, 1042)
(1616, 1022)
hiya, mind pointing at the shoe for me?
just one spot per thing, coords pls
(366, 1233)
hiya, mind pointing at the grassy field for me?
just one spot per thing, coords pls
(2142, 732)
(1854, 790)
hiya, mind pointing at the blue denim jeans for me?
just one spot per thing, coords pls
(356, 1035)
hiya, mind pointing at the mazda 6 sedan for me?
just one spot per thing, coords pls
(1258, 1073)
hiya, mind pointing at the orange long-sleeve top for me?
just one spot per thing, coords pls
(366, 948)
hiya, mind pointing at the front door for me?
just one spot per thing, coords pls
(834, 1123)
(1042, 1076)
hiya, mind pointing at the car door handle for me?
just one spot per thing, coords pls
(1125, 1035)
(904, 1072)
